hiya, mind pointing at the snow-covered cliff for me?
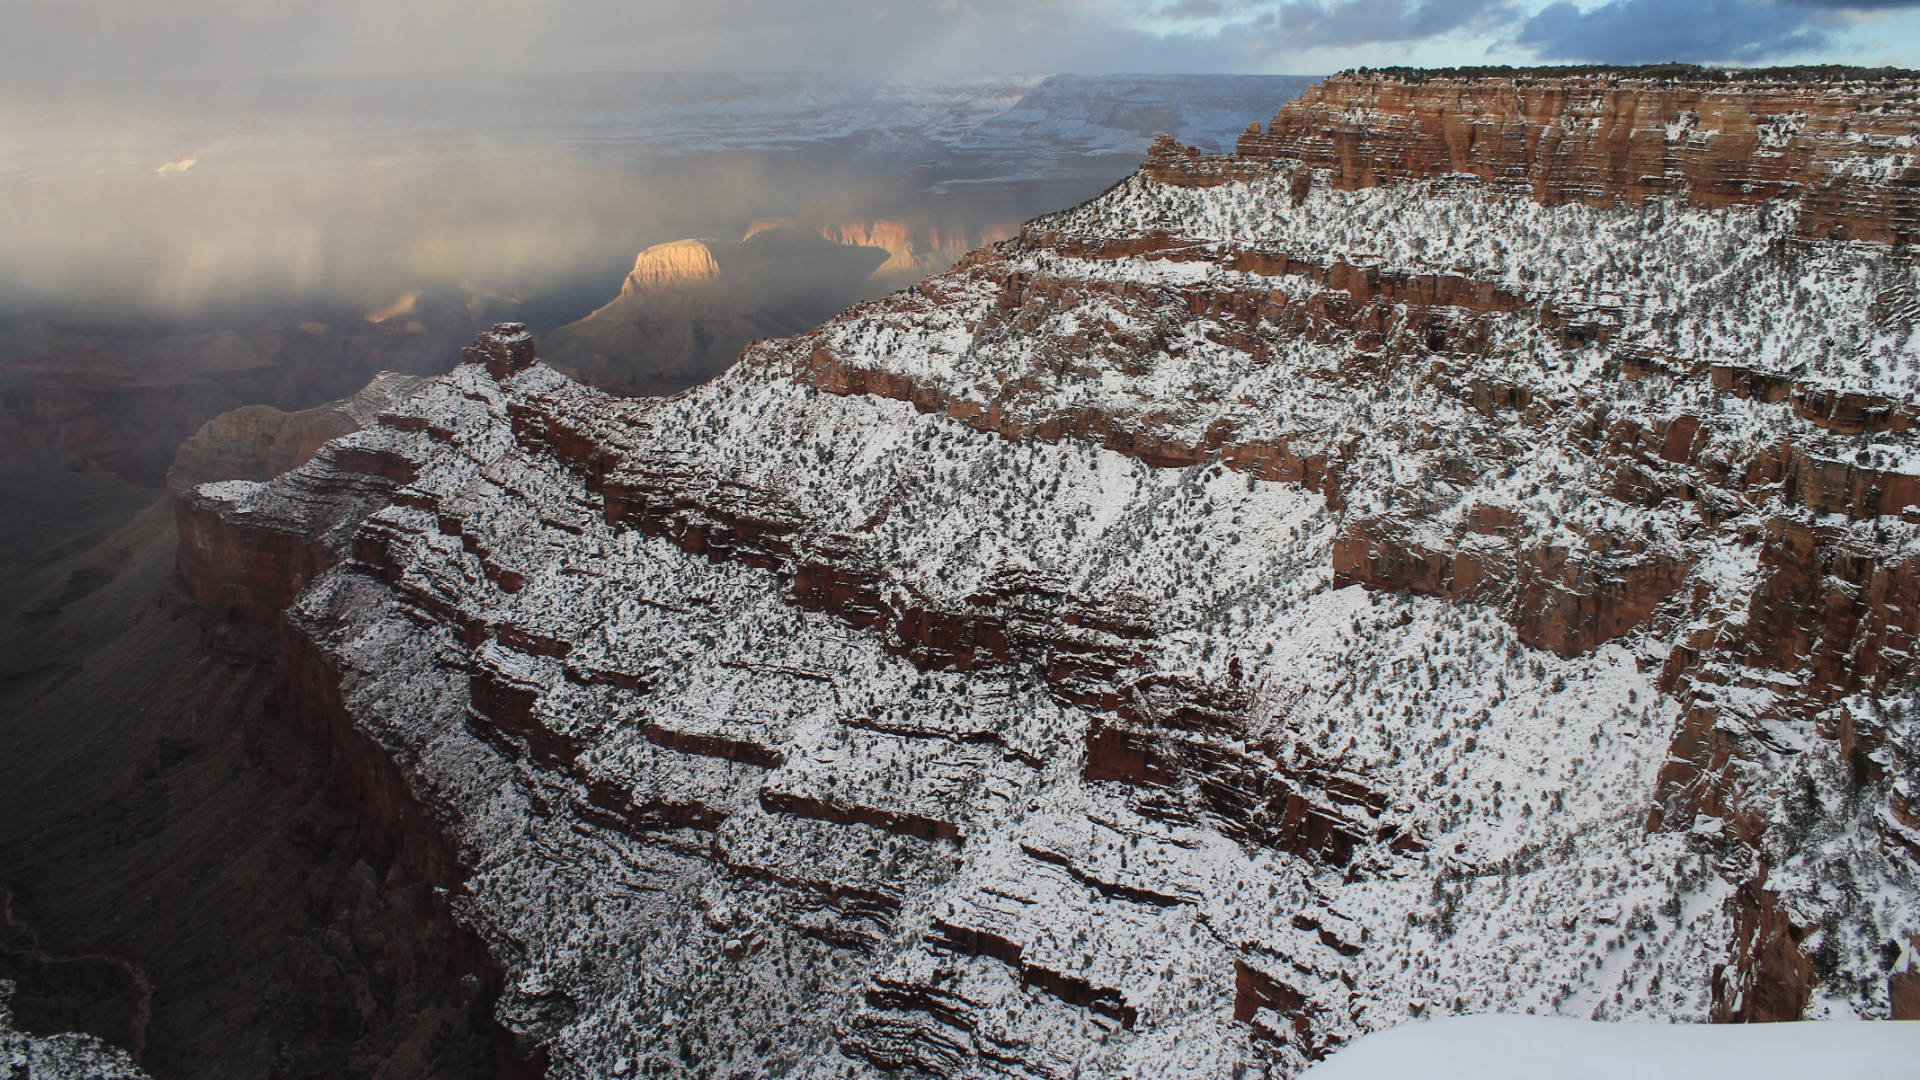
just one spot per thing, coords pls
(1239, 613)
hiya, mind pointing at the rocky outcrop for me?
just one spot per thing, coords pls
(1565, 600)
(249, 574)
(1771, 979)
(249, 551)
(677, 262)
(259, 442)
(914, 249)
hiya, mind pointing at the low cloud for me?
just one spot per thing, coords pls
(285, 219)
(1858, 5)
(1194, 9)
(116, 39)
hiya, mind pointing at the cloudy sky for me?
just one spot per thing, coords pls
(89, 39)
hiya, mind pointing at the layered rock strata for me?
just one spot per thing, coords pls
(1840, 148)
(259, 442)
(1261, 605)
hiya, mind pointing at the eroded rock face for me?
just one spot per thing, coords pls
(259, 442)
(1601, 139)
(1229, 617)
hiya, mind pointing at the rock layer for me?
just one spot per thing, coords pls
(1608, 138)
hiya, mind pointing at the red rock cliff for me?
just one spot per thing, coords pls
(1604, 138)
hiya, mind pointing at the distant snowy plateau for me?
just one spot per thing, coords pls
(1459, 554)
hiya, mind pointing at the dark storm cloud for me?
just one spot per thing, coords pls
(1311, 23)
(1648, 31)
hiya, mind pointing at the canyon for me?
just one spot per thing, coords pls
(1284, 596)
(188, 877)
(1459, 552)
(156, 284)
(187, 870)
(124, 405)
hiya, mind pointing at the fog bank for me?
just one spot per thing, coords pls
(200, 200)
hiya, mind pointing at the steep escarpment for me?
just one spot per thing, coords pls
(1247, 610)
(1840, 147)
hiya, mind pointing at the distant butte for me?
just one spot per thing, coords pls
(689, 306)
